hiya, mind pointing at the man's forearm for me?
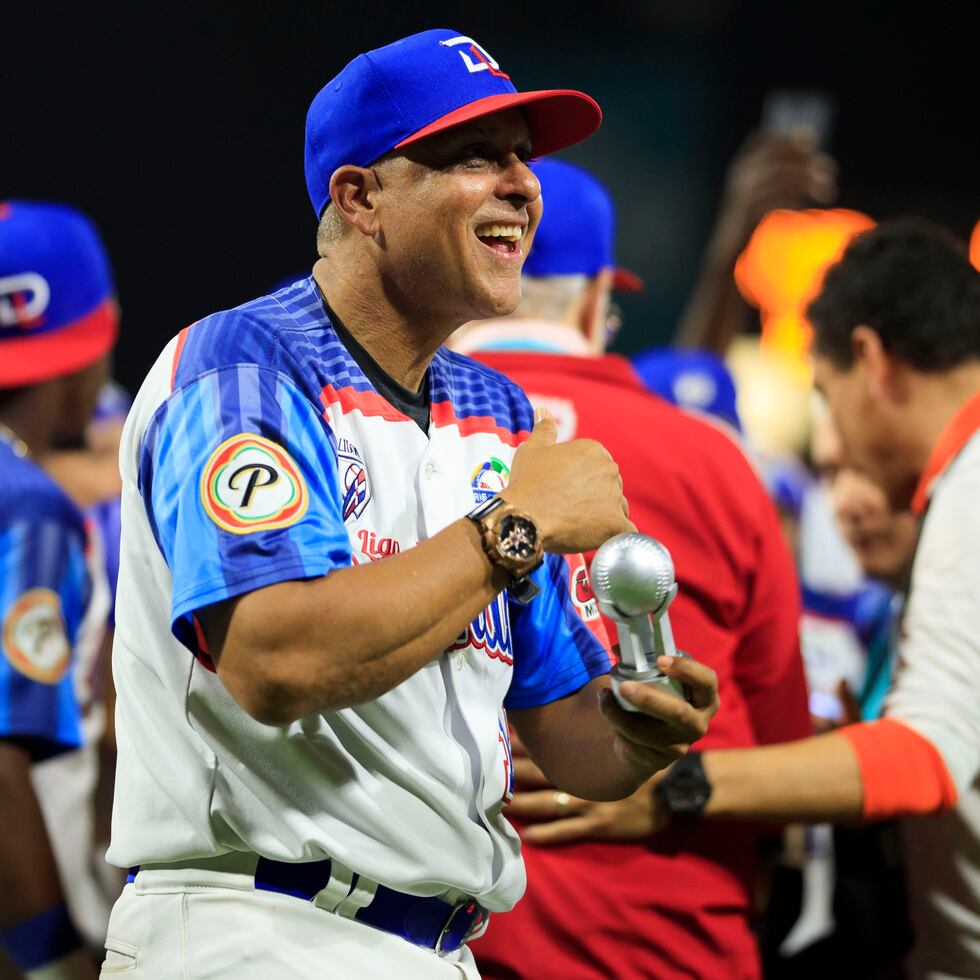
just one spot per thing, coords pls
(814, 780)
(573, 745)
(298, 647)
(715, 312)
(29, 881)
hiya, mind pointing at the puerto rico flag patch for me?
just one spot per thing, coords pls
(251, 484)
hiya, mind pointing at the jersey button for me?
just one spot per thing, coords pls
(430, 470)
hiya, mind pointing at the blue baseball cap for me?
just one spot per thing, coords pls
(58, 312)
(692, 379)
(578, 228)
(392, 96)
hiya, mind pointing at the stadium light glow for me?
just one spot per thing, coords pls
(782, 267)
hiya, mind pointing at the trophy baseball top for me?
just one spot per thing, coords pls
(633, 573)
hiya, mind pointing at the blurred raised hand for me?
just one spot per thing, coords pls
(769, 171)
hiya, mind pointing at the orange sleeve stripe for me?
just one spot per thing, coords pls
(902, 773)
(181, 340)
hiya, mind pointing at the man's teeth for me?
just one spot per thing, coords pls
(510, 233)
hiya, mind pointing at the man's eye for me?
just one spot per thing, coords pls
(524, 155)
(477, 151)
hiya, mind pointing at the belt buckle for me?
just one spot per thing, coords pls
(466, 904)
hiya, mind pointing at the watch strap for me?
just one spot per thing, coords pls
(523, 589)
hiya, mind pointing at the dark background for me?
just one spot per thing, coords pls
(179, 128)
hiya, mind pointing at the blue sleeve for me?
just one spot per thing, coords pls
(238, 473)
(44, 590)
(555, 653)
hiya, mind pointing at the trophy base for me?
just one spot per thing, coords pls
(653, 677)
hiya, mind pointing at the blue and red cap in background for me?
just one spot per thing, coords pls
(692, 379)
(577, 232)
(390, 97)
(58, 312)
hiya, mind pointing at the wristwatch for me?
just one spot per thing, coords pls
(685, 789)
(512, 542)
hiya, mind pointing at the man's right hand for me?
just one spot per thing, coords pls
(572, 491)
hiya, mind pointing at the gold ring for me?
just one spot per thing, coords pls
(562, 802)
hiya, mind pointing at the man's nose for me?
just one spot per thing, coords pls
(847, 499)
(518, 182)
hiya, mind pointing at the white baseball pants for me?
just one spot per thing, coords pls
(206, 925)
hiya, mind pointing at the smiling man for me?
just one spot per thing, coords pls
(341, 561)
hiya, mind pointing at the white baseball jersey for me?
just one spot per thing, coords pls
(258, 451)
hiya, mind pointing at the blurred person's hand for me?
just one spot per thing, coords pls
(770, 171)
(850, 711)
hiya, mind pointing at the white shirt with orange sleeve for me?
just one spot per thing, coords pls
(935, 693)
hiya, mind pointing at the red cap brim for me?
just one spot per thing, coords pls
(625, 281)
(557, 117)
(31, 359)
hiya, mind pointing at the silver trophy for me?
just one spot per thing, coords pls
(633, 580)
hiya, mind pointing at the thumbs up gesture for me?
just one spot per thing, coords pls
(572, 491)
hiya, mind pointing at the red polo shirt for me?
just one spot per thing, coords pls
(677, 905)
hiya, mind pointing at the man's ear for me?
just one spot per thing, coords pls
(880, 368)
(595, 310)
(353, 193)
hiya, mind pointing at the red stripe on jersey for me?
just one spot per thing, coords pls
(203, 655)
(181, 340)
(368, 403)
(443, 414)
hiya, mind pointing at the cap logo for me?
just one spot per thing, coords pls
(23, 300)
(476, 58)
(251, 484)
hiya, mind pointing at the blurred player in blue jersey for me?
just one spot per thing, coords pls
(58, 322)
(75, 788)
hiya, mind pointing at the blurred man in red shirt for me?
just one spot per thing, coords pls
(606, 898)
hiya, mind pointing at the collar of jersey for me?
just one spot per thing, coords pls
(951, 442)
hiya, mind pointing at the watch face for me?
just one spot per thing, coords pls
(687, 790)
(518, 538)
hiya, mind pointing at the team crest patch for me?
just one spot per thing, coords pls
(353, 479)
(251, 484)
(489, 479)
(34, 637)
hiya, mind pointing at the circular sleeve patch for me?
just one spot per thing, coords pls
(35, 640)
(251, 484)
